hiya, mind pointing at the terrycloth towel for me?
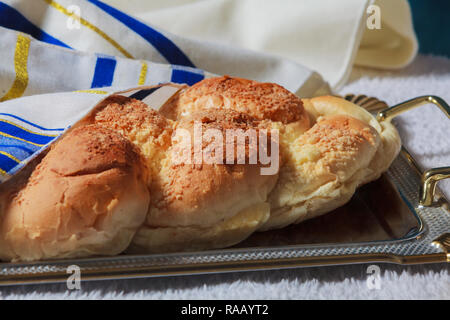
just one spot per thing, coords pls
(342, 282)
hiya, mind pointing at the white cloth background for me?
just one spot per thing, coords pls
(424, 131)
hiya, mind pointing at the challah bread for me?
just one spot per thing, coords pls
(119, 180)
(87, 197)
(328, 146)
(194, 205)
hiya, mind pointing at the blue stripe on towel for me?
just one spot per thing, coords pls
(142, 94)
(6, 163)
(7, 143)
(28, 122)
(165, 46)
(18, 151)
(104, 72)
(183, 75)
(19, 133)
(12, 19)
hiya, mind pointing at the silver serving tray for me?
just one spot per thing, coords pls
(389, 220)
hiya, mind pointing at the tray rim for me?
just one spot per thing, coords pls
(225, 267)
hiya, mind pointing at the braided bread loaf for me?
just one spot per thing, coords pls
(114, 184)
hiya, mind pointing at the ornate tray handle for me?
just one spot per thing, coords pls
(444, 243)
(429, 179)
(431, 176)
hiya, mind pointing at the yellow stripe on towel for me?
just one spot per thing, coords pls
(25, 129)
(86, 23)
(20, 67)
(20, 139)
(93, 91)
(10, 156)
(143, 74)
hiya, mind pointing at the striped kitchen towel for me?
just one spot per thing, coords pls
(29, 67)
(26, 129)
(85, 44)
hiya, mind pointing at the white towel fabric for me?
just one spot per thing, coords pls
(424, 131)
(340, 282)
(327, 36)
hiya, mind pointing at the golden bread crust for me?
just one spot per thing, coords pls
(267, 101)
(116, 180)
(87, 196)
(191, 194)
(324, 179)
(320, 163)
(186, 196)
